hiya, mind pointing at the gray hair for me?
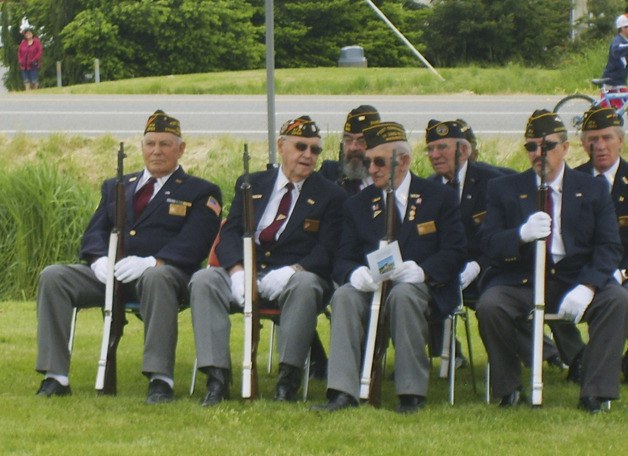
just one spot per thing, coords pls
(620, 131)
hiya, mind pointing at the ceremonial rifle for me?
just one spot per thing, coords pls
(251, 302)
(377, 336)
(341, 163)
(448, 363)
(115, 319)
(539, 291)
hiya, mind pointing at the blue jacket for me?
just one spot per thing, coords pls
(617, 66)
(619, 194)
(177, 226)
(310, 237)
(431, 234)
(589, 231)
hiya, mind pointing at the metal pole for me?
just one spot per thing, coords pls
(404, 39)
(59, 84)
(270, 81)
(96, 71)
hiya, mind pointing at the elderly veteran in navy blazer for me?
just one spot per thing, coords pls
(165, 242)
(433, 247)
(603, 139)
(352, 174)
(583, 253)
(294, 262)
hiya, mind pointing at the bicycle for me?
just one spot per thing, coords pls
(571, 109)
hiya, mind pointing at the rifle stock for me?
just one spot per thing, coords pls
(377, 336)
(251, 302)
(539, 293)
(114, 318)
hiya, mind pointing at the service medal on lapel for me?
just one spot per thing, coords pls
(376, 206)
(416, 201)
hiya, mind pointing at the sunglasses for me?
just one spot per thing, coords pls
(532, 146)
(302, 147)
(378, 162)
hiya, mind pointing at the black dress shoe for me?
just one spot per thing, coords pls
(159, 392)
(555, 361)
(575, 368)
(590, 404)
(50, 387)
(288, 383)
(624, 366)
(515, 398)
(410, 403)
(339, 402)
(217, 386)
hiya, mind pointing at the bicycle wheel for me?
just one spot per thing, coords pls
(571, 110)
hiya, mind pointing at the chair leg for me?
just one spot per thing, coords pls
(487, 392)
(467, 327)
(72, 330)
(306, 375)
(452, 358)
(269, 365)
(194, 372)
(446, 350)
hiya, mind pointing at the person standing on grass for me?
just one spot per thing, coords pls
(297, 215)
(584, 250)
(29, 55)
(431, 239)
(603, 139)
(172, 219)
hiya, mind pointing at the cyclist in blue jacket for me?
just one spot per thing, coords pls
(616, 70)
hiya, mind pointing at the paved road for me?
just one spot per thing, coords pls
(245, 116)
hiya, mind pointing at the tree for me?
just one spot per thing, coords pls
(10, 39)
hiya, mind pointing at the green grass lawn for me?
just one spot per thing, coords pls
(87, 424)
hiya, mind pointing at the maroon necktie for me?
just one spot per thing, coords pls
(142, 197)
(267, 235)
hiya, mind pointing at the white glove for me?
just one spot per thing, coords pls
(99, 268)
(132, 267)
(273, 283)
(409, 272)
(237, 287)
(617, 275)
(538, 226)
(468, 275)
(362, 280)
(575, 303)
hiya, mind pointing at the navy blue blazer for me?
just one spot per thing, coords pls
(619, 193)
(589, 231)
(473, 206)
(431, 234)
(310, 237)
(177, 226)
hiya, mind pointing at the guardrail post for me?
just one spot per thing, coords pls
(59, 83)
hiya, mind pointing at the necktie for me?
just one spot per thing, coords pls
(267, 235)
(142, 197)
(549, 208)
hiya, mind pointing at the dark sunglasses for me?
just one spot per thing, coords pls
(379, 162)
(532, 146)
(302, 147)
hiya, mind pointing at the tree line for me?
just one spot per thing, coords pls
(159, 37)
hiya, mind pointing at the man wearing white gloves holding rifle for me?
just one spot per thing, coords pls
(583, 251)
(172, 219)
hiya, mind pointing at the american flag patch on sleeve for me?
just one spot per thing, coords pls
(214, 205)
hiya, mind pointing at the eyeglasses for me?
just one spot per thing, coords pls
(531, 146)
(302, 147)
(432, 148)
(358, 141)
(378, 162)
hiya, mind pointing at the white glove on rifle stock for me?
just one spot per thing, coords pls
(99, 267)
(273, 283)
(575, 303)
(362, 280)
(538, 226)
(132, 267)
(468, 275)
(237, 287)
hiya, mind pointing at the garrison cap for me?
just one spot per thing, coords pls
(301, 126)
(160, 122)
(361, 117)
(468, 132)
(439, 130)
(542, 123)
(384, 132)
(600, 118)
